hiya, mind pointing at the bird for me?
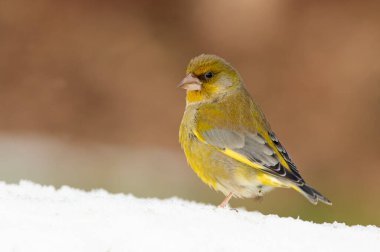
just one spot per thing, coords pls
(227, 139)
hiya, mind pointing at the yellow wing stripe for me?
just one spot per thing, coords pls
(241, 158)
(233, 154)
(264, 178)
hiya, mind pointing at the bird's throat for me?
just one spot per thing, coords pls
(196, 96)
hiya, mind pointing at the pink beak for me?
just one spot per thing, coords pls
(191, 83)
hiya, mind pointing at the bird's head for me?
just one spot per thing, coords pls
(208, 77)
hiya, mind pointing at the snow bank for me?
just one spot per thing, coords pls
(41, 218)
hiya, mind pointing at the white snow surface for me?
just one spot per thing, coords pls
(41, 218)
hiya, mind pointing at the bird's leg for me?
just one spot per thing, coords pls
(225, 201)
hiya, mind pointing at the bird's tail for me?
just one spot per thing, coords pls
(311, 194)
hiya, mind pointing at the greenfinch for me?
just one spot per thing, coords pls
(228, 141)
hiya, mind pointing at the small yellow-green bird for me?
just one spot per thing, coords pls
(228, 141)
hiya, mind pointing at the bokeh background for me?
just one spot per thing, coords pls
(88, 94)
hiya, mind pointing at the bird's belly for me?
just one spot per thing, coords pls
(222, 172)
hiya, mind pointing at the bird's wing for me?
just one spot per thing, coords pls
(260, 151)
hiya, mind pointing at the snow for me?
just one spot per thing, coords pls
(42, 218)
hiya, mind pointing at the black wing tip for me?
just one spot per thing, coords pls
(313, 195)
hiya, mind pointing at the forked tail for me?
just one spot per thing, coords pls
(311, 194)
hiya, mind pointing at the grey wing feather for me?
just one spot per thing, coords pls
(224, 138)
(255, 148)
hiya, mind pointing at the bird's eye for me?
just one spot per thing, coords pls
(209, 75)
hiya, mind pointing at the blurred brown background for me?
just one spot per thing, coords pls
(88, 97)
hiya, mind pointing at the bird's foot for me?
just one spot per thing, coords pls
(227, 207)
(224, 204)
